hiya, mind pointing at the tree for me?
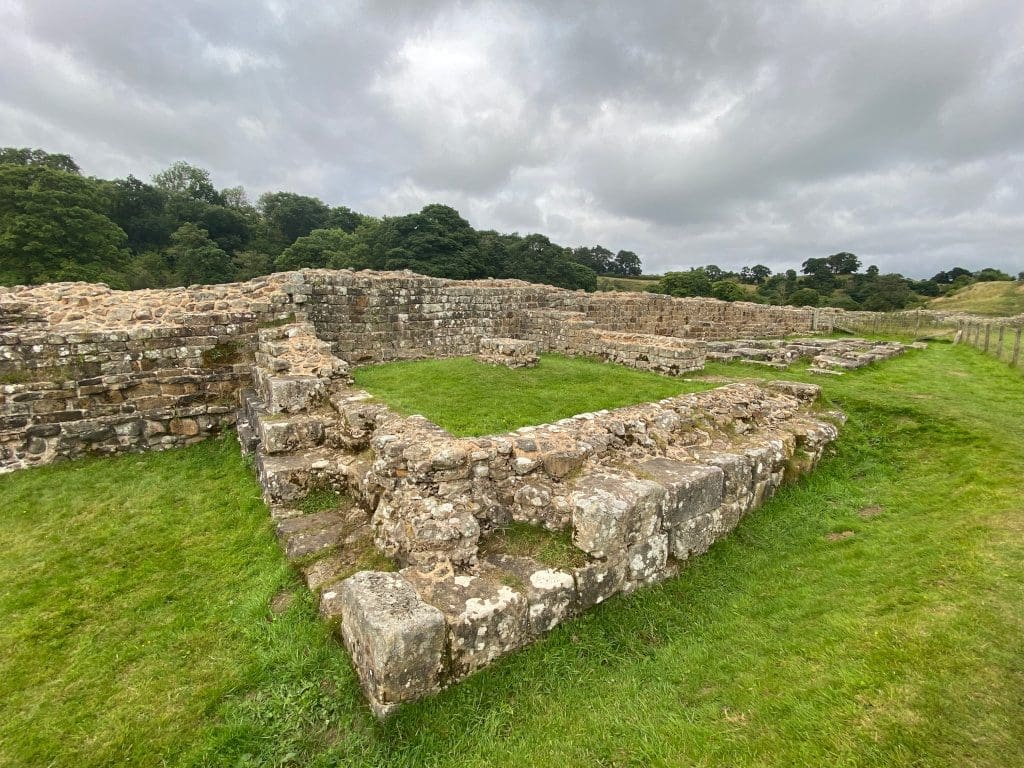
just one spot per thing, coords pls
(344, 218)
(760, 273)
(819, 275)
(692, 283)
(27, 156)
(291, 216)
(334, 248)
(140, 210)
(436, 241)
(805, 297)
(726, 290)
(714, 273)
(627, 263)
(537, 259)
(188, 181)
(991, 275)
(228, 227)
(889, 292)
(53, 227)
(843, 263)
(196, 258)
(597, 258)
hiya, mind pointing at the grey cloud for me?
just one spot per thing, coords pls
(690, 132)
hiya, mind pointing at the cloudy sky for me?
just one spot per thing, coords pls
(690, 132)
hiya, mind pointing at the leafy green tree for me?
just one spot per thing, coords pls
(250, 264)
(991, 275)
(714, 273)
(597, 258)
(140, 210)
(760, 273)
(188, 181)
(537, 259)
(695, 282)
(291, 216)
(28, 156)
(889, 292)
(53, 227)
(228, 227)
(196, 258)
(726, 290)
(627, 264)
(334, 248)
(805, 297)
(819, 275)
(843, 263)
(344, 218)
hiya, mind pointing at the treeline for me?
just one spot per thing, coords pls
(179, 229)
(830, 281)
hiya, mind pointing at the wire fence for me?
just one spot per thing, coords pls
(999, 338)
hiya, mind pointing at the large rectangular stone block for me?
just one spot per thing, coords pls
(613, 511)
(396, 640)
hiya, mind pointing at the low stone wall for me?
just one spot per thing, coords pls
(73, 383)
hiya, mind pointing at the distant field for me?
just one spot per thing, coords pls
(998, 298)
(641, 283)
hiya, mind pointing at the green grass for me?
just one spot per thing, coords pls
(470, 398)
(992, 298)
(136, 630)
(640, 284)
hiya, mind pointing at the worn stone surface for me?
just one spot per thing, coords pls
(613, 511)
(550, 592)
(485, 618)
(512, 353)
(397, 641)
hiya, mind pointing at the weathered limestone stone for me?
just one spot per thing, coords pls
(647, 561)
(693, 490)
(597, 581)
(613, 511)
(512, 353)
(486, 619)
(550, 592)
(396, 640)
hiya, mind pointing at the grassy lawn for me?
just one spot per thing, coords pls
(470, 398)
(995, 298)
(869, 615)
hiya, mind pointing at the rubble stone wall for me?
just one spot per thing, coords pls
(72, 382)
(86, 369)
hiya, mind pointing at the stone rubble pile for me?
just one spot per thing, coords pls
(827, 356)
(512, 353)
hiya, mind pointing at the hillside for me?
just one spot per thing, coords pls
(990, 298)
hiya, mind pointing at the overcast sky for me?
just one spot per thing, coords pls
(721, 132)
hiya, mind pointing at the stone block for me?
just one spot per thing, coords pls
(693, 489)
(647, 560)
(597, 581)
(550, 592)
(396, 640)
(486, 619)
(612, 511)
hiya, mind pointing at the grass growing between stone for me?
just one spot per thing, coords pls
(869, 615)
(469, 398)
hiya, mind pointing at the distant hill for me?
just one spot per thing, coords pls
(638, 283)
(991, 298)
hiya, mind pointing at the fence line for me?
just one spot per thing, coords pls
(998, 337)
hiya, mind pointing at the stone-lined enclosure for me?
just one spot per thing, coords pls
(640, 489)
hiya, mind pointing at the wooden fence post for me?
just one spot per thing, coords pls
(988, 334)
(1016, 348)
(999, 341)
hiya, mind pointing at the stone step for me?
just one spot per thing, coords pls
(289, 477)
(286, 433)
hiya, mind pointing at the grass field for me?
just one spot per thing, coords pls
(626, 283)
(470, 398)
(870, 615)
(994, 298)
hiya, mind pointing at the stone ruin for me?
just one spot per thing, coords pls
(411, 560)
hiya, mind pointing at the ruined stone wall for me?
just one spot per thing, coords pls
(84, 369)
